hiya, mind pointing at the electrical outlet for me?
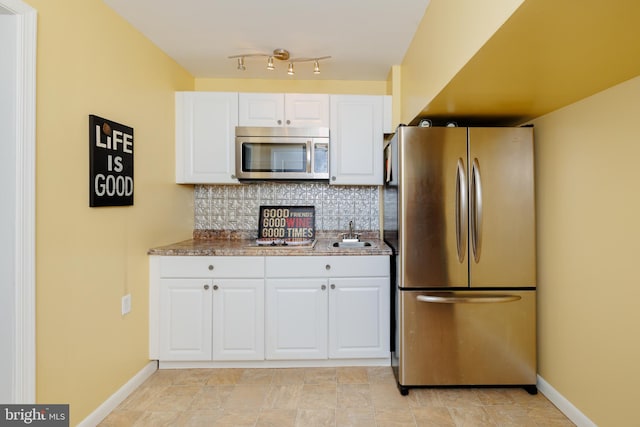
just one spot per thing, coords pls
(126, 304)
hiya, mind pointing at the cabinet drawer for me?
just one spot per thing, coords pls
(215, 266)
(329, 266)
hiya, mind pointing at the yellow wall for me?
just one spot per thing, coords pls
(588, 233)
(90, 61)
(394, 88)
(293, 86)
(587, 210)
(450, 33)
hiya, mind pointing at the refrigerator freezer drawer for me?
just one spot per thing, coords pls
(466, 338)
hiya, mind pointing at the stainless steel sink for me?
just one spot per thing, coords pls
(357, 244)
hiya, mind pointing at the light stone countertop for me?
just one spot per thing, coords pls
(322, 246)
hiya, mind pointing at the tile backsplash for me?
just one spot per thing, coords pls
(236, 207)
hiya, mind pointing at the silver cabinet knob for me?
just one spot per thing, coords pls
(233, 176)
(333, 286)
(333, 178)
(215, 287)
(210, 267)
(288, 122)
(323, 287)
(327, 267)
(279, 122)
(206, 287)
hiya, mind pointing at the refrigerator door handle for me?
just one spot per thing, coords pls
(471, 299)
(461, 211)
(476, 210)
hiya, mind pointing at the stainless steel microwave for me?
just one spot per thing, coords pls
(282, 153)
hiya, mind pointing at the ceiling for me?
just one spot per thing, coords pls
(547, 55)
(363, 37)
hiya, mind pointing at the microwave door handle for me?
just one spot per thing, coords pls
(309, 157)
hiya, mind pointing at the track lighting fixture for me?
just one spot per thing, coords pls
(281, 55)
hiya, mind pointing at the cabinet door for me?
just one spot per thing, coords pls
(306, 110)
(296, 319)
(359, 317)
(238, 319)
(205, 135)
(261, 109)
(356, 140)
(185, 319)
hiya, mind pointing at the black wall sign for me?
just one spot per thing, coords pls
(110, 163)
(287, 222)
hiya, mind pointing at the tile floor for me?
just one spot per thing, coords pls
(359, 396)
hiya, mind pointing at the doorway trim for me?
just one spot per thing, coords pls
(24, 369)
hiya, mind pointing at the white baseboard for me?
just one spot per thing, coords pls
(119, 396)
(257, 364)
(566, 407)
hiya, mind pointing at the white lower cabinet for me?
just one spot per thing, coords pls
(296, 308)
(238, 319)
(343, 313)
(207, 318)
(359, 317)
(185, 319)
(296, 324)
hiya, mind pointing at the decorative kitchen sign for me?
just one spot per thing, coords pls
(110, 163)
(287, 223)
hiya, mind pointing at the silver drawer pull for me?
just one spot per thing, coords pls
(206, 287)
(468, 299)
(327, 267)
(215, 287)
(333, 286)
(323, 287)
(210, 267)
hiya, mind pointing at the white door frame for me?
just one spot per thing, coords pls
(24, 369)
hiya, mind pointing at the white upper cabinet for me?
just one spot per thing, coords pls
(205, 136)
(289, 110)
(306, 110)
(206, 123)
(357, 129)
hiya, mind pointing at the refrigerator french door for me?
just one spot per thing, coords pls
(463, 202)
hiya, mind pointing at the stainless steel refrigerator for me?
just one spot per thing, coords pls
(459, 214)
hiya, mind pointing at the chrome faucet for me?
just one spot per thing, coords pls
(351, 235)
